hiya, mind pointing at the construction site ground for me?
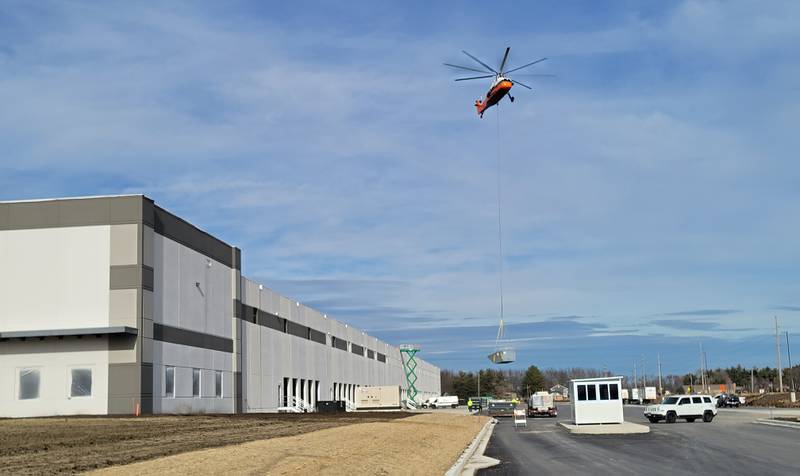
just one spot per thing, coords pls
(368, 443)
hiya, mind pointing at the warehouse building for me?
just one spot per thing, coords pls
(113, 305)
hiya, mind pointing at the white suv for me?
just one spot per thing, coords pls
(689, 407)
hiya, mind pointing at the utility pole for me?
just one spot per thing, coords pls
(702, 370)
(778, 354)
(644, 376)
(705, 367)
(791, 369)
(752, 381)
(660, 388)
(635, 378)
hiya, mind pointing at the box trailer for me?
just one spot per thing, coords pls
(644, 395)
(379, 397)
(650, 394)
(624, 394)
(541, 404)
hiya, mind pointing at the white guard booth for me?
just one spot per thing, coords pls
(596, 400)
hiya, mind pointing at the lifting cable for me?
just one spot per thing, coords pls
(499, 233)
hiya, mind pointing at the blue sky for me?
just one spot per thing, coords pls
(650, 190)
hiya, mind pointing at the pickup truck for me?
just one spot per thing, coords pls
(498, 408)
(689, 408)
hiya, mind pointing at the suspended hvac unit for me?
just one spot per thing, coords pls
(503, 356)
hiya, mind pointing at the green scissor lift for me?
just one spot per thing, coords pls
(407, 353)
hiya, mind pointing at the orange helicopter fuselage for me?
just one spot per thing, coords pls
(495, 94)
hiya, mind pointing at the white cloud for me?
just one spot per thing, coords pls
(626, 193)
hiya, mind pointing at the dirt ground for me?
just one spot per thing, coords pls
(425, 444)
(77, 444)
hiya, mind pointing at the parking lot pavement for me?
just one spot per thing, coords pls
(730, 445)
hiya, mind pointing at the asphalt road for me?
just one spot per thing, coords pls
(730, 445)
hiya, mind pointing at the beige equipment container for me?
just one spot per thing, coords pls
(376, 398)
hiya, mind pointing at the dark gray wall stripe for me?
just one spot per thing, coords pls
(148, 277)
(147, 382)
(183, 232)
(237, 392)
(266, 319)
(175, 335)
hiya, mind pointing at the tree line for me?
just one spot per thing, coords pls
(501, 383)
(522, 383)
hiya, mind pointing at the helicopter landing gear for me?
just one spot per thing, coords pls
(511, 97)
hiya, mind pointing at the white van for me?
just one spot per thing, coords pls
(443, 402)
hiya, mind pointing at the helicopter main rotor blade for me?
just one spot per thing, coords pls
(505, 58)
(491, 70)
(521, 84)
(525, 65)
(528, 75)
(475, 77)
(464, 67)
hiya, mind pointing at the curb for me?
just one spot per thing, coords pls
(475, 448)
(626, 428)
(783, 424)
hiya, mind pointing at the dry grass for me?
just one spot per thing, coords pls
(420, 445)
(75, 444)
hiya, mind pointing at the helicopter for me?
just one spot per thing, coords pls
(501, 86)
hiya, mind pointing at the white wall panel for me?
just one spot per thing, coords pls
(54, 278)
(54, 358)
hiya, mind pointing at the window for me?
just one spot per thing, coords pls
(591, 392)
(218, 384)
(603, 391)
(381, 358)
(614, 388)
(195, 382)
(316, 336)
(697, 400)
(296, 329)
(340, 344)
(169, 382)
(581, 392)
(707, 399)
(28, 384)
(684, 401)
(357, 349)
(370, 354)
(81, 385)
